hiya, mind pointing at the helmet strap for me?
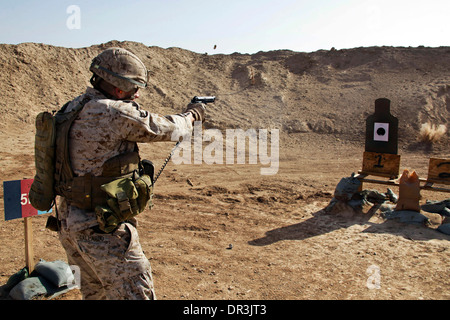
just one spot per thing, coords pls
(106, 88)
(101, 85)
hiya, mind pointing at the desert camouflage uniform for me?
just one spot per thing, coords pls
(112, 266)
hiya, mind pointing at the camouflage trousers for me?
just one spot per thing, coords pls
(112, 266)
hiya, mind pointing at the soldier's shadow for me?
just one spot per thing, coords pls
(324, 222)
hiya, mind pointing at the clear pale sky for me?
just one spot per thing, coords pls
(245, 26)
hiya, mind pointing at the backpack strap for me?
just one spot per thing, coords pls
(63, 169)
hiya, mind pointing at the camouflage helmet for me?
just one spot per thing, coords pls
(120, 68)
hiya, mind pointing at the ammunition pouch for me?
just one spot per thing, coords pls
(127, 197)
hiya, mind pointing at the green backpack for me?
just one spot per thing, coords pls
(42, 193)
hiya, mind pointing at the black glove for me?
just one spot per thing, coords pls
(198, 111)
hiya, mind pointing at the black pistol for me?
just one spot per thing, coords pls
(204, 100)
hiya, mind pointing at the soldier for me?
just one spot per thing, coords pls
(102, 138)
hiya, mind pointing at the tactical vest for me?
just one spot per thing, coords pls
(54, 174)
(85, 191)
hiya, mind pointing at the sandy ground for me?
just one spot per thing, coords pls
(227, 232)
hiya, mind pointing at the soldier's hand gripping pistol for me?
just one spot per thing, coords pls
(197, 108)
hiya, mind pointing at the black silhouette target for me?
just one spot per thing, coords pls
(382, 129)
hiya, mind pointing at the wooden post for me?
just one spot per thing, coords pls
(29, 252)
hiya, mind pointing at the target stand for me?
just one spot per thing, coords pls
(384, 165)
(438, 173)
(380, 157)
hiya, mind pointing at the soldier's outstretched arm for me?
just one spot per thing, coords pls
(139, 125)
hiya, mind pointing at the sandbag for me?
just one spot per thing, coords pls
(444, 228)
(30, 288)
(346, 188)
(15, 279)
(48, 279)
(441, 207)
(406, 216)
(57, 272)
